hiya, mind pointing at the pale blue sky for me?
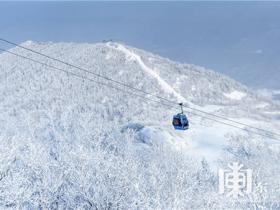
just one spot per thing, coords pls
(240, 39)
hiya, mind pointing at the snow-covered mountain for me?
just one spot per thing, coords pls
(69, 143)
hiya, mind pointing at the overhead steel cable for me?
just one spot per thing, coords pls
(83, 77)
(88, 71)
(129, 92)
(136, 89)
(139, 90)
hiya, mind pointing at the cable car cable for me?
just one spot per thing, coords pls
(139, 90)
(83, 77)
(136, 89)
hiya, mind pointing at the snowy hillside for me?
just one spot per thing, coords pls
(68, 143)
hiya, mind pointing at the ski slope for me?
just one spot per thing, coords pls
(152, 72)
(235, 95)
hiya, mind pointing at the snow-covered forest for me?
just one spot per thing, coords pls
(69, 143)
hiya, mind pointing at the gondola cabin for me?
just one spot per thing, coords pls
(180, 120)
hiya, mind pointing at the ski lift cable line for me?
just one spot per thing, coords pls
(131, 87)
(139, 90)
(119, 89)
(136, 89)
(85, 78)
(132, 93)
(85, 70)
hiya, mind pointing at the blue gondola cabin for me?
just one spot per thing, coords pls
(180, 121)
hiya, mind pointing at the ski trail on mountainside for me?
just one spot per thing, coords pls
(164, 85)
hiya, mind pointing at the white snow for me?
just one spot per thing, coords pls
(108, 56)
(63, 146)
(211, 108)
(276, 92)
(193, 88)
(235, 95)
(134, 57)
(262, 105)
